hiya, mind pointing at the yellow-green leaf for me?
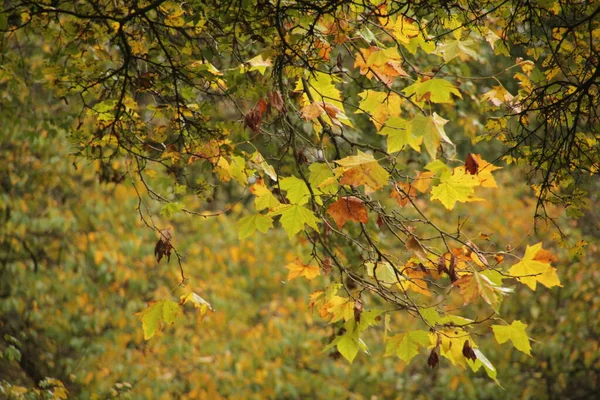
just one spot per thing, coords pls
(456, 187)
(163, 311)
(406, 345)
(514, 332)
(249, 224)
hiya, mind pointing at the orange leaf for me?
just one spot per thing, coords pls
(403, 192)
(348, 208)
(311, 111)
(298, 269)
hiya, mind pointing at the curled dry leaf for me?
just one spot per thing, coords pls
(163, 247)
(434, 358)
(468, 351)
(358, 309)
(276, 101)
(471, 165)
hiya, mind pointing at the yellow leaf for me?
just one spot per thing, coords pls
(456, 187)
(298, 269)
(531, 270)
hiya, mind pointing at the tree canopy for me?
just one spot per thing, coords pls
(368, 131)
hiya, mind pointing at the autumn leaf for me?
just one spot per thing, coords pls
(298, 269)
(535, 267)
(434, 90)
(383, 272)
(297, 191)
(249, 224)
(514, 332)
(264, 197)
(379, 105)
(348, 208)
(198, 302)
(294, 217)
(406, 345)
(477, 285)
(157, 313)
(363, 169)
(456, 187)
(400, 133)
(403, 193)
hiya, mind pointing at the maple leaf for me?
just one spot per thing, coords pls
(198, 302)
(298, 268)
(249, 224)
(348, 208)
(311, 111)
(414, 281)
(456, 187)
(319, 173)
(422, 181)
(535, 267)
(432, 130)
(434, 90)
(484, 171)
(514, 332)
(498, 95)
(406, 345)
(264, 197)
(363, 169)
(403, 193)
(382, 272)
(297, 191)
(476, 284)
(294, 217)
(257, 63)
(457, 48)
(401, 133)
(379, 105)
(163, 311)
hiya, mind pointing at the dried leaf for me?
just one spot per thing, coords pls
(471, 165)
(163, 247)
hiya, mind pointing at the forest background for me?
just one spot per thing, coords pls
(151, 151)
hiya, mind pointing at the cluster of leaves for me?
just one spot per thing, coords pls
(344, 122)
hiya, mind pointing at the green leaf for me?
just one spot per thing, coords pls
(163, 311)
(406, 345)
(294, 217)
(247, 225)
(297, 191)
(514, 332)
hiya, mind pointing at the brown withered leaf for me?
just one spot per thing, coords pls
(358, 309)
(452, 269)
(253, 120)
(348, 208)
(163, 247)
(471, 165)
(468, 351)
(276, 101)
(413, 244)
(434, 358)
